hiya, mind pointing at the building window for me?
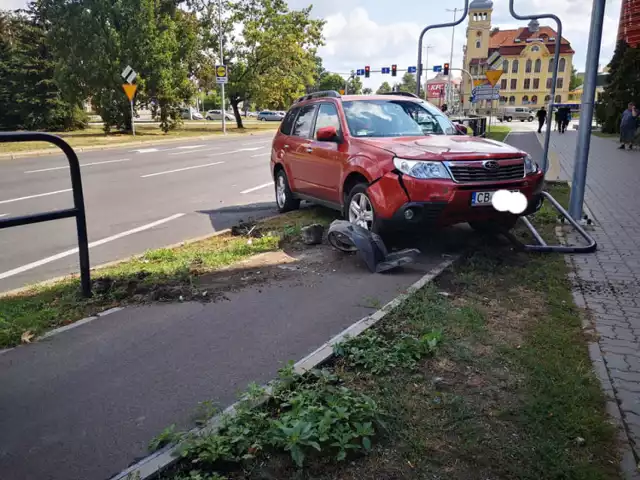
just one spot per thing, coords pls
(505, 66)
(514, 83)
(525, 100)
(527, 83)
(536, 83)
(534, 100)
(503, 84)
(512, 100)
(538, 66)
(474, 69)
(503, 100)
(563, 64)
(550, 65)
(529, 66)
(478, 44)
(535, 48)
(560, 83)
(549, 83)
(547, 98)
(558, 99)
(514, 66)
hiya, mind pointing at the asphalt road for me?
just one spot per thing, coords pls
(136, 198)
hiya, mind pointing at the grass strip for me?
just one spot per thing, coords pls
(498, 132)
(166, 274)
(484, 374)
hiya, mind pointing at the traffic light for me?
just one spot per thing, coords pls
(367, 71)
(394, 70)
(445, 70)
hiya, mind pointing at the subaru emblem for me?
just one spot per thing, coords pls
(491, 165)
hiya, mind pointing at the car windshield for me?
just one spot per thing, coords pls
(395, 118)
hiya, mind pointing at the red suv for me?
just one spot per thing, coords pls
(394, 160)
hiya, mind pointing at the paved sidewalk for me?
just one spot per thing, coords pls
(610, 278)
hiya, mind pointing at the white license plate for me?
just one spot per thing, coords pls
(482, 199)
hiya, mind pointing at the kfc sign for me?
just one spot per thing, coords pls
(435, 89)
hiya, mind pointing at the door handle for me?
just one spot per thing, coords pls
(309, 149)
(286, 146)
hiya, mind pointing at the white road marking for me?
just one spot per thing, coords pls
(34, 196)
(189, 152)
(191, 146)
(262, 142)
(181, 169)
(261, 155)
(146, 150)
(257, 188)
(53, 258)
(84, 165)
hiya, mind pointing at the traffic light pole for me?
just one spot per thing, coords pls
(421, 40)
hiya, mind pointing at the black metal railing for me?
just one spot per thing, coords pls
(78, 201)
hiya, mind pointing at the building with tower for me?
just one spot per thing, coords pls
(629, 27)
(527, 59)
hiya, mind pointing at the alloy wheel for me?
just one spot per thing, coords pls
(281, 191)
(361, 211)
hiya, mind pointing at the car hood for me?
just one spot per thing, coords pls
(444, 147)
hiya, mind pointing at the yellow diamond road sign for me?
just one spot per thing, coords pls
(221, 74)
(493, 76)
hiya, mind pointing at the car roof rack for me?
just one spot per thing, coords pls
(401, 94)
(324, 93)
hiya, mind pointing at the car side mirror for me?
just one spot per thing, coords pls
(327, 134)
(462, 130)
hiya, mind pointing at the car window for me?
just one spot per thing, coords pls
(395, 118)
(304, 121)
(287, 123)
(327, 117)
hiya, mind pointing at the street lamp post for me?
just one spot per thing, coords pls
(426, 69)
(453, 35)
(224, 120)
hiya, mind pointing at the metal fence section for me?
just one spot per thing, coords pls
(77, 212)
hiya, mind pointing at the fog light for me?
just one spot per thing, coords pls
(408, 214)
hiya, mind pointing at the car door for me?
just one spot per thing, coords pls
(327, 160)
(299, 149)
(282, 144)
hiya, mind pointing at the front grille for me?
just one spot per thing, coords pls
(468, 174)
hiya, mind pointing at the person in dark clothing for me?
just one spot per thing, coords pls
(542, 116)
(628, 126)
(558, 118)
(566, 118)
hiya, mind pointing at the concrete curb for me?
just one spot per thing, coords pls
(54, 151)
(158, 461)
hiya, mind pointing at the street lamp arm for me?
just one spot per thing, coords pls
(431, 27)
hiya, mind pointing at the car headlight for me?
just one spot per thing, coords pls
(421, 169)
(529, 165)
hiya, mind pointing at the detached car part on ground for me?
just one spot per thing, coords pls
(394, 163)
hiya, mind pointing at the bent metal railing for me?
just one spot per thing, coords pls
(78, 211)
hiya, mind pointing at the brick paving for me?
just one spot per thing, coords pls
(609, 280)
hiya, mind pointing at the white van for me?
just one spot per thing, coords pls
(515, 113)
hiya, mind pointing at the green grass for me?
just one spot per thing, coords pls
(93, 136)
(498, 132)
(168, 274)
(484, 374)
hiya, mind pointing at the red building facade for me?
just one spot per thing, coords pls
(629, 28)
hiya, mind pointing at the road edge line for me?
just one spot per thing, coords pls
(158, 461)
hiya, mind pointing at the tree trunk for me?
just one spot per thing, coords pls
(236, 111)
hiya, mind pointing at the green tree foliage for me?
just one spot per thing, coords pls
(355, 86)
(94, 40)
(331, 81)
(384, 88)
(623, 86)
(408, 83)
(367, 91)
(29, 96)
(273, 60)
(575, 81)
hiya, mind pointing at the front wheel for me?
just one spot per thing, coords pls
(360, 209)
(284, 197)
(509, 119)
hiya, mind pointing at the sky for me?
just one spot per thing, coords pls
(383, 32)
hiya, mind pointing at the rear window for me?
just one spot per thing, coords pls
(287, 124)
(304, 121)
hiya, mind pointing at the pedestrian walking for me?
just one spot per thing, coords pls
(542, 116)
(628, 126)
(558, 118)
(566, 118)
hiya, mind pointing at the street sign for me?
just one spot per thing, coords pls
(341, 91)
(221, 74)
(437, 68)
(128, 74)
(129, 90)
(496, 64)
(479, 82)
(386, 70)
(485, 92)
(493, 76)
(360, 72)
(412, 70)
(492, 58)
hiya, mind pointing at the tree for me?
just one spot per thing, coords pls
(355, 85)
(274, 59)
(367, 91)
(408, 83)
(384, 88)
(331, 81)
(575, 81)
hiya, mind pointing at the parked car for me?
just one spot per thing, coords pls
(217, 115)
(270, 116)
(251, 114)
(194, 115)
(515, 113)
(395, 162)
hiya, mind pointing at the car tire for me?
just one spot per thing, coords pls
(263, 119)
(530, 119)
(362, 201)
(285, 200)
(495, 226)
(509, 119)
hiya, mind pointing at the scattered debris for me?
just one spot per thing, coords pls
(26, 336)
(312, 234)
